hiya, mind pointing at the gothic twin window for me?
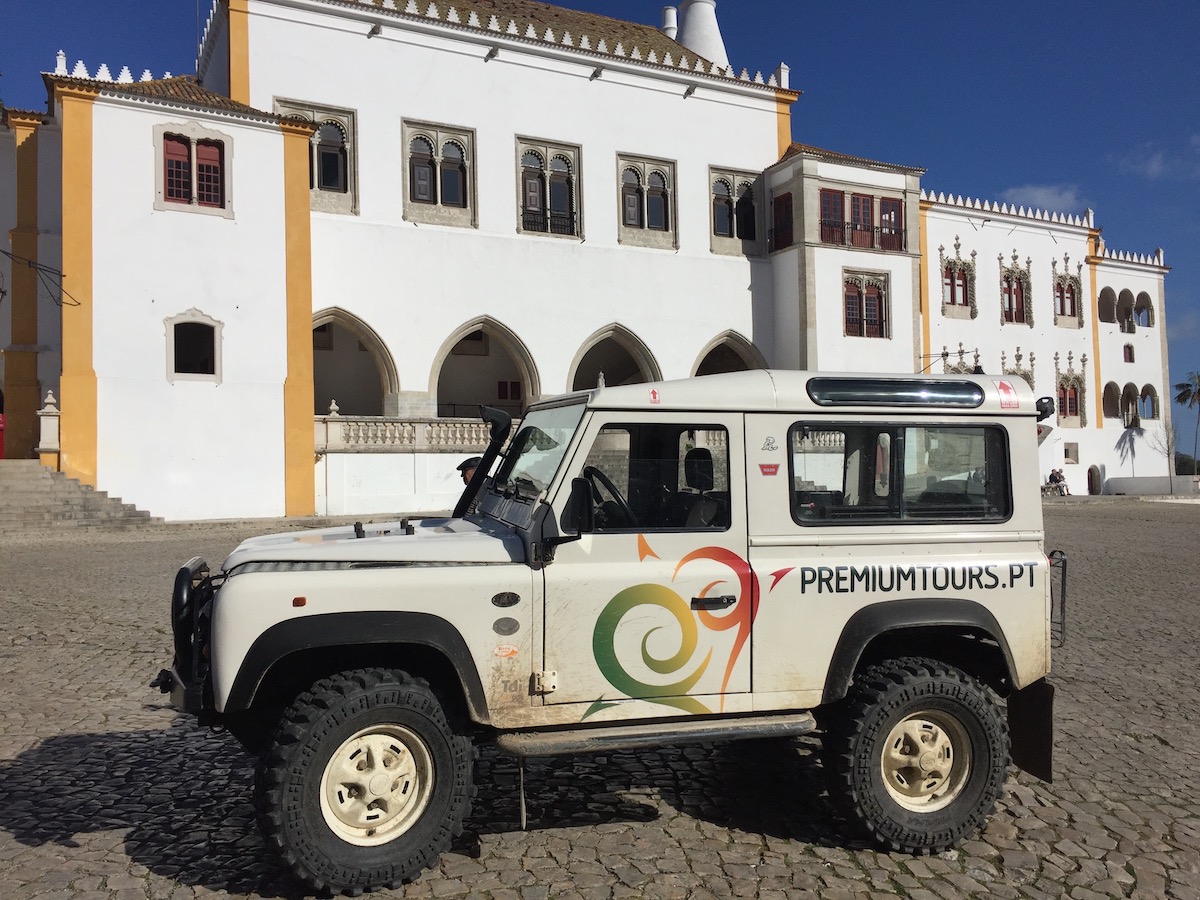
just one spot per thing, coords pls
(866, 307)
(439, 174)
(647, 199)
(549, 201)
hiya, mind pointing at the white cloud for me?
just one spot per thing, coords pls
(1151, 161)
(1061, 198)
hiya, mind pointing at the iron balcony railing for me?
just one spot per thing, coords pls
(877, 237)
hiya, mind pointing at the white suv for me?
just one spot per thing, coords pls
(733, 556)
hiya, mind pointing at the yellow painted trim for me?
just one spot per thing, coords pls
(21, 386)
(239, 50)
(299, 443)
(926, 326)
(1093, 258)
(78, 392)
(783, 119)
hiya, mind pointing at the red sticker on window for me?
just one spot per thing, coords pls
(1008, 395)
(769, 468)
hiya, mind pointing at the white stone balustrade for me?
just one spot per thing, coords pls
(379, 434)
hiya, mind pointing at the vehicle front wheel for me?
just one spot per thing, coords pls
(917, 754)
(364, 782)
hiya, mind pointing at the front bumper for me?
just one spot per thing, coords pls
(189, 680)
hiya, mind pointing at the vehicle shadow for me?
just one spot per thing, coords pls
(183, 797)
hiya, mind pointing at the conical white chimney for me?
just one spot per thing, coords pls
(670, 25)
(699, 31)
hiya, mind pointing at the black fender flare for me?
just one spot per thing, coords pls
(356, 628)
(888, 616)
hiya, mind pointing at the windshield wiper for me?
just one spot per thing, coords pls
(526, 488)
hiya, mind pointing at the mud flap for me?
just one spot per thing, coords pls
(1031, 729)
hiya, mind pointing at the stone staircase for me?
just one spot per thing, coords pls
(32, 496)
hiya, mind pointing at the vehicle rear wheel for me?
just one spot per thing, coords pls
(364, 782)
(917, 754)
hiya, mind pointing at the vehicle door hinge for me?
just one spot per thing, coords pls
(545, 682)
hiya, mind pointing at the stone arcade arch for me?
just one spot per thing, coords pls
(1106, 306)
(352, 366)
(1111, 401)
(729, 352)
(483, 363)
(1143, 311)
(1125, 304)
(617, 353)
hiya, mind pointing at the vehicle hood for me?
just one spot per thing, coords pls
(434, 541)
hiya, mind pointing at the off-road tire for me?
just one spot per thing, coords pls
(363, 720)
(916, 754)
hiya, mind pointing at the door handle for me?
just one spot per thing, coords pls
(722, 602)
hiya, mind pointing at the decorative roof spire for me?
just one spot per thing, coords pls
(700, 32)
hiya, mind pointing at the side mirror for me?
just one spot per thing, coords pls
(580, 515)
(1045, 408)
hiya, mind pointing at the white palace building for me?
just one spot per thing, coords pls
(283, 286)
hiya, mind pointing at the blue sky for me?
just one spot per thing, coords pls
(1061, 106)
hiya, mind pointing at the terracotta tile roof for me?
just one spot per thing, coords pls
(181, 89)
(798, 149)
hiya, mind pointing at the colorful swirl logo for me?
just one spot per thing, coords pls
(674, 694)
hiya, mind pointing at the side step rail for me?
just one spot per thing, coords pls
(603, 738)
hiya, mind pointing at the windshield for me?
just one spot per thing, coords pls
(536, 451)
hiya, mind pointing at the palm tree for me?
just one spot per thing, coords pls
(1187, 393)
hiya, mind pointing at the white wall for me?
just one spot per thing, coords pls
(1103, 442)
(417, 285)
(188, 449)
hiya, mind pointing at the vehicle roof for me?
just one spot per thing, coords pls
(769, 390)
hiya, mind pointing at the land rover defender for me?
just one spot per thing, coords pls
(735, 556)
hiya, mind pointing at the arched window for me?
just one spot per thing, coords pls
(422, 171)
(723, 224)
(1070, 302)
(1068, 401)
(658, 210)
(1148, 405)
(533, 193)
(747, 214)
(562, 196)
(1129, 406)
(1111, 401)
(454, 175)
(329, 159)
(1106, 306)
(1012, 295)
(631, 198)
(865, 308)
(1143, 311)
(954, 286)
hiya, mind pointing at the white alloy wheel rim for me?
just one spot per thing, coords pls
(376, 785)
(926, 761)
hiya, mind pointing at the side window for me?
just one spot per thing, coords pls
(660, 477)
(856, 473)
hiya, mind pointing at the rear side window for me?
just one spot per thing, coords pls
(899, 473)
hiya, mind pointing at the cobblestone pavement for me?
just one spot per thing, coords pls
(105, 793)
